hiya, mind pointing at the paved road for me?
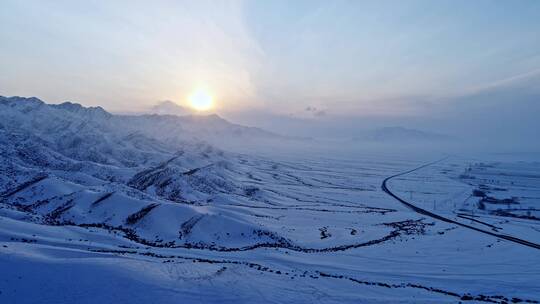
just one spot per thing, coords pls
(419, 210)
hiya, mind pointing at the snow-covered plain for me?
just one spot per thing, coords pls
(99, 208)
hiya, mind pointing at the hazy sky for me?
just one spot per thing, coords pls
(392, 57)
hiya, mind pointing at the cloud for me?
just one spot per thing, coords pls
(526, 78)
(314, 111)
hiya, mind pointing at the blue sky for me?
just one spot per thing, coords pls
(356, 52)
(393, 58)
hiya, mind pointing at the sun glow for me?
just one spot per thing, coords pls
(201, 100)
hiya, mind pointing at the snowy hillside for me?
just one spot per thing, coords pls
(102, 208)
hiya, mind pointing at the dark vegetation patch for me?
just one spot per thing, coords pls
(187, 226)
(195, 170)
(56, 213)
(497, 201)
(101, 199)
(500, 212)
(400, 228)
(148, 177)
(324, 233)
(22, 240)
(251, 191)
(361, 209)
(296, 273)
(137, 216)
(409, 227)
(23, 186)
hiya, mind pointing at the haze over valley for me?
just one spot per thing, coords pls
(269, 152)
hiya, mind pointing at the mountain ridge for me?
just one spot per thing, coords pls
(169, 127)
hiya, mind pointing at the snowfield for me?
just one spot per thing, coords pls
(101, 208)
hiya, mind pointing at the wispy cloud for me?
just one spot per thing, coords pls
(514, 80)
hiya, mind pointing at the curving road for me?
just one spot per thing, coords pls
(419, 210)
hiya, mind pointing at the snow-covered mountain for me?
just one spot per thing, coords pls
(102, 208)
(72, 165)
(168, 107)
(169, 128)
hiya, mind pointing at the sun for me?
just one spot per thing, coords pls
(201, 100)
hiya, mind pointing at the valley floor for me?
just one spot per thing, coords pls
(303, 231)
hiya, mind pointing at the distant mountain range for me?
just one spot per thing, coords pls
(212, 127)
(168, 107)
(168, 123)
